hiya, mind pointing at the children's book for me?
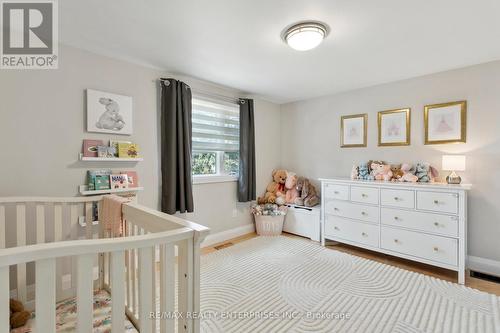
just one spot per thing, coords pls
(90, 147)
(118, 181)
(133, 180)
(91, 178)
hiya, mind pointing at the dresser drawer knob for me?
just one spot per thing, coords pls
(435, 248)
(436, 224)
(335, 192)
(396, 240)
(363, 213)
(364, 195)
(396, 199)
(396, 218)
(335, 209)
(336, 228)
(364, 234)
(436, 202)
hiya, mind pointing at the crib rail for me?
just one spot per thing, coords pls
(138, 269)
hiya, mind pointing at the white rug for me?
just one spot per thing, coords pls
(249, 287)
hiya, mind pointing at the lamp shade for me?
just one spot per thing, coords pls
(454, 162)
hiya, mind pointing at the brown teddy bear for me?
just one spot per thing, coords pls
(397, 173)
(18, 315)
(275, 190)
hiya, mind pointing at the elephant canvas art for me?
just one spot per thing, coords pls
(109, 113)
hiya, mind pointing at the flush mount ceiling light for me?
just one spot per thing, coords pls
(305, 36)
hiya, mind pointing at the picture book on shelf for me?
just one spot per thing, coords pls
(102, 184)
(115, 144)
(128, 150)
(90, 147)
(118, 181)
(133, 180)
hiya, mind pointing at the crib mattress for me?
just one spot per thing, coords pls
(66, 316)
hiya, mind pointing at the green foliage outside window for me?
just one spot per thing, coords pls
(204, 163)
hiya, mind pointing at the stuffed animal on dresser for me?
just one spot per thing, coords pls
(291, 187)
(397, 173)
(275, 190)
(354, 172)
(381, 171)
(364, 172)
(308, 194)
(425, 172)
(408, 175)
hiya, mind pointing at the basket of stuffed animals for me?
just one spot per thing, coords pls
(269, 219)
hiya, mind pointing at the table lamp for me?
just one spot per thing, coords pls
(453, 163)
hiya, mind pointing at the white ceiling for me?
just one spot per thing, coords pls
(237, 43)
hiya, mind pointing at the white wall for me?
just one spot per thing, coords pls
(42, 125)
(310, 138)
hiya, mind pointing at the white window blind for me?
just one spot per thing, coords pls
(216, 126)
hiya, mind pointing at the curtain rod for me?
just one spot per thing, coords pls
(233, 100)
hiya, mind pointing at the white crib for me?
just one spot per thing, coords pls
(46, 256)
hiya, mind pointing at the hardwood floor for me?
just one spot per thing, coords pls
(441, 273)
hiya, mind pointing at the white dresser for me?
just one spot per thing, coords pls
(418, 221)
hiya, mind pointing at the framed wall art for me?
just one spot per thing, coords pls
(445, 123)
(109, 113)
(353, 130)
(394, 127)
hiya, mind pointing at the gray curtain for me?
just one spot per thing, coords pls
(177, 191)
(246, 180)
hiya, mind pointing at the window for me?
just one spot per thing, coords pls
(216, 136)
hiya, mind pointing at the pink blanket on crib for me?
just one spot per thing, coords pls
(111, 214)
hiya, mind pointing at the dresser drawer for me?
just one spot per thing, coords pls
(335, 191)
(367, 195)
(438, 201)
(435, 223)
(358, 232)
(434, 248)
(397, 198)
(353, 211)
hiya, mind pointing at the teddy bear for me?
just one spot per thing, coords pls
(18, 315)
(291, 190)
(397, 173)
(381, 171)
(275, 189)
(308, 195)
(364, 172)
(408, 175)
(111, 118)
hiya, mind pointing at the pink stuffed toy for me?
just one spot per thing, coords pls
(408, 175)
(381, 171)
(290, 184)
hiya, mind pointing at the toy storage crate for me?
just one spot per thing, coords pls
(269, 225)
(303, 221)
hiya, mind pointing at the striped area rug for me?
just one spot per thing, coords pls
(281, 284)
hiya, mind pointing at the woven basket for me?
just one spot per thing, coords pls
(267, 225)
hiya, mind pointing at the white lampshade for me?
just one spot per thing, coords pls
(454, 162)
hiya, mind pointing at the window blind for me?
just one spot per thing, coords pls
(216, 126)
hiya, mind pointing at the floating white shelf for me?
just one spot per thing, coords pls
(109, 159)
(84, 190)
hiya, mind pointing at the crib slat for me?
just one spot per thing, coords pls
(57, 223)
(145, 288)
(40, 224)
(45, 291)
(118, 291)
(167, 286)
(2, 227)
(88, 220)
(4, 299)
(84, 294)
(133, 253)
(185, 277)
(21, 241)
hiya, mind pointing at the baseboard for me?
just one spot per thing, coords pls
(483, 265)
(225, 235)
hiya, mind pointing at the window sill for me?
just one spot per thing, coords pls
(213, 179)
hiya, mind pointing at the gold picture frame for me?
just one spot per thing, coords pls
(431, 138)
(353, 127)
(399, 141)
